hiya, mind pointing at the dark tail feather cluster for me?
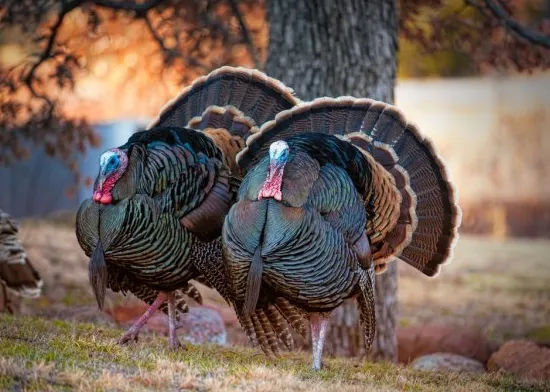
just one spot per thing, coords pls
(253, 282)
(229, 105)
(98, 274)
(238, 99)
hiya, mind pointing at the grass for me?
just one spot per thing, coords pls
(497, 286)
(52, 355)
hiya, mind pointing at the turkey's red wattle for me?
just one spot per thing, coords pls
(103, 193)
(273, 183)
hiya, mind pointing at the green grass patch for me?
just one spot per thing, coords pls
(541, 334)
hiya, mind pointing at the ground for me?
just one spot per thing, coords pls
(497, 286)
(38, 354)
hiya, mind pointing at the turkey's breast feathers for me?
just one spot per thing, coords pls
(307, 239)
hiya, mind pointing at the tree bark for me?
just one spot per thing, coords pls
(334, 48)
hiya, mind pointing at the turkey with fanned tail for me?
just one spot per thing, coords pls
(155, 218)
(335, 189)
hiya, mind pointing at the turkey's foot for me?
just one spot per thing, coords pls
(319, 327)
(175, 344)
(132, 334)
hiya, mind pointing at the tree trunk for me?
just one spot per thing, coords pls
(333, 48)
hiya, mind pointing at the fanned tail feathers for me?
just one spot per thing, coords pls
(229, 105)
(411, 203)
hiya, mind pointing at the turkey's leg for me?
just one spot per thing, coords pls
(131, 334)
(172, 336)
(319, 327)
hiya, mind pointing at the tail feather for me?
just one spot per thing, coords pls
(280, 326)
(248, 327)
(411, 202)
(261, 336)
(296, 317)
(268, 327)
(270, 334)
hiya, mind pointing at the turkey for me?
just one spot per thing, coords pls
(16, 272)
(156, 213)
(335, 189)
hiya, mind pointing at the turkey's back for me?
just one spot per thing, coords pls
(307, 239)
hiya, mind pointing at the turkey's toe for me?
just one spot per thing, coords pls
(129, 337)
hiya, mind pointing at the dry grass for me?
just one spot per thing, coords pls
(44, 355)
(498, 286)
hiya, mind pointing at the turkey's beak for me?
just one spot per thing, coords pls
(274, 167)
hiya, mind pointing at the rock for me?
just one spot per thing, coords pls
(201, 326)
(416, 341)
(226, 312)
(439, 362)
(522, 358)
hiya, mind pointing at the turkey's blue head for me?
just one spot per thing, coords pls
(112, 165)
(278, 156)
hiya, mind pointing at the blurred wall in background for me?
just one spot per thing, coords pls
(37, 186)
(494, 133)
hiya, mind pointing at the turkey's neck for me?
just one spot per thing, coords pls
(108, 179)
(273, 183)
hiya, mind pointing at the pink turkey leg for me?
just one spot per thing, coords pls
(133, 331)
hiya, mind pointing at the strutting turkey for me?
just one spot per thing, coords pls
(159, 201)
(16, 272)
(336, 188)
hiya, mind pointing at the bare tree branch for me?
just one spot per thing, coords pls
(169, 53)
(511, 24)
(246, 35)
(46, 54)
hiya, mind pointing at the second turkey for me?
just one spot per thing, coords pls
(335, 189)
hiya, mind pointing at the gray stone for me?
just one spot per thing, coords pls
(445, 362)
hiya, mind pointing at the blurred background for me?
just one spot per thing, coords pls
(81, 77)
